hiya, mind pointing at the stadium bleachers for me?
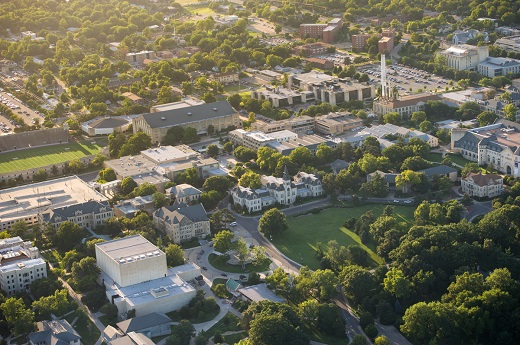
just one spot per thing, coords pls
(31, 139)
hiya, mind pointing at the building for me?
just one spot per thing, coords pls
(277, 190)
(359, 41)
(338, 165)
(462, 37)
(256, 139)
(25, 203)
(136, 277)
(482, 185)
(258, 293)
(225, 78)
(497, 66)
(385, 45)
(31, 139)
(106, 125)
(309, 141)
(20, 265)
(441, 170)
(336, 123)
(55, 332)
(331, 89)
(7, 65)
(139, 57)
(508, 31)
(388, 32)
(220, 115)
(184, 193)
(299, 125)
(181, 223)
(152, 325)
(185, 103)
(128, 208)
(326, 32)
(465, 56)
(132, 338)
(320, 63)
(382, 131)
(282, 97)
(404, 105)
(495, 144)
(509, 44)
(311, 49)
(88, 215)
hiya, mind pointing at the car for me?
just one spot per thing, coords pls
(408, 201)
(242, 276)
(204, 268)
(233, 224)
(223, 274)
(396, 201)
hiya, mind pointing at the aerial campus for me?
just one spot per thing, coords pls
(240, 172)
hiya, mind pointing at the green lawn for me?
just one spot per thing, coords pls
(435, 157)
(201, 10)
(299, 241)
(42, 156)
(213, 261)
(316, 335)
(230, 322)
(87, 330)
(458, 159)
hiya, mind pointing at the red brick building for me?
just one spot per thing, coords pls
(359, 41)
(326, 32)
(385, 45)
(320, 63)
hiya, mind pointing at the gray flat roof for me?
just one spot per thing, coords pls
(128, 247)
(174, 117)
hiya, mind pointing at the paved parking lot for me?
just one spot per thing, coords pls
(406, 78)
(26, 113)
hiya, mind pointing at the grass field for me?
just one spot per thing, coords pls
(42, 156)
(435, 157)
(299, 241)
(458, 159)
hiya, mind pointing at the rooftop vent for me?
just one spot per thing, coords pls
(189, 114)
(215, 109)
(163, 118)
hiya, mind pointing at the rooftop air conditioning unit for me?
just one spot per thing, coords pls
(189, 114)
(215, 109)
(163, 118)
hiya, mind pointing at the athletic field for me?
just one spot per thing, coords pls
(42, 156)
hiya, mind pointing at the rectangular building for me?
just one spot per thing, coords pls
(256, 139)
(405, 105)
(385, 45)
(181, 223)
(509, 44)
(497, 66)
(20, 265)
(359, 41)
(300, 125)
(465, 56)
(336, 123)
(87, 215)
(220, 115)
(139, 57)
(326, 32)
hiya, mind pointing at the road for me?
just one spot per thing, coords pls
(477, 209)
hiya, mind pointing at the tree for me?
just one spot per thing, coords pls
(272, 223)
(324, 154)
(393, 118)
(19, 318)
(302, 155)
(359, 339)
(244, 154)
(258, 255)
(174, 255)
(242, 251)
(223, 241)
(136, 143)
(128, 185)
(396, 283)
(277, 29)
(486, 118)
(212, 150)
(146, 188)
(181, 334)
(510, 111)
(44, 287)
(326, 283)
(220, 184)
(382, 340)
(250, 179)
(408, 178)
(160, 199)
(275, 330)
(235, 100)
(209, 97)
(228, 147)
(418, 117)
(210, 199)
(358, 283)
(57, 304)
(426, 126)
(190, 135)
(68, 236)
(165, 95)
(85, 273)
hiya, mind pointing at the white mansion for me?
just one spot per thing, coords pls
(277, 190)
(497, 144)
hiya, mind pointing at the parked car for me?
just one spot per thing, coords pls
(223, 274)
(233, 224)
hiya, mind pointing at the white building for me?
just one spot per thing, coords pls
(382, 131)
(182, 223)
(136, 277)
(184, 193)
(107, 125)
(482, 185)
(509, 44)
(256, 139)
(88, 215)
(20, 265)
(497, 144)
(465, 56)
(497, 66)
(277, 190)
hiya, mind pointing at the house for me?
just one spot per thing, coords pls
(258, 293)
(136, 278)
(183, 193)
(88, 215)
(224, 78)
(181, 223)
(277, 190)
(482, 185)
(440, 170)
(338, 165)
(462, 37)
(132, 338)
(55, 332)
(128, 208)
(232, 286)
(151, 325)
(388, 177)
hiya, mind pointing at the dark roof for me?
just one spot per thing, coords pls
(108, 122)
(438, 170)
(142, 322)
(469, 142)
(89, 207)
(482, 180)
(176, 213)
(194, 113)
(56, 332)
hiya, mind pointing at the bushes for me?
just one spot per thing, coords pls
(220, 290)
(198, 310)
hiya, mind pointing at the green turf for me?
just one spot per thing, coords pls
(229, 322)
(299, 241)
(249, 268)
(43, 156)
(435, 157)
(458, 159)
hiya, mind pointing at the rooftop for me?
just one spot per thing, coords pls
(482, 180)
(260, 292)
(167, 154)
(173, 117)
(142, 322)
(126, 249)
(29, 200)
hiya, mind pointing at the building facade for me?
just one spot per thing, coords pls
(220, 115)
(88, 215)
(184, 193)
(405, 105)
(465, 56)
(55, 332)
(299, 125)
(509, 44)
(20, 265)
(277, 190)
(326, 32)
(482, 185)
(139, 57)
(181, 223)
(494, 67)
